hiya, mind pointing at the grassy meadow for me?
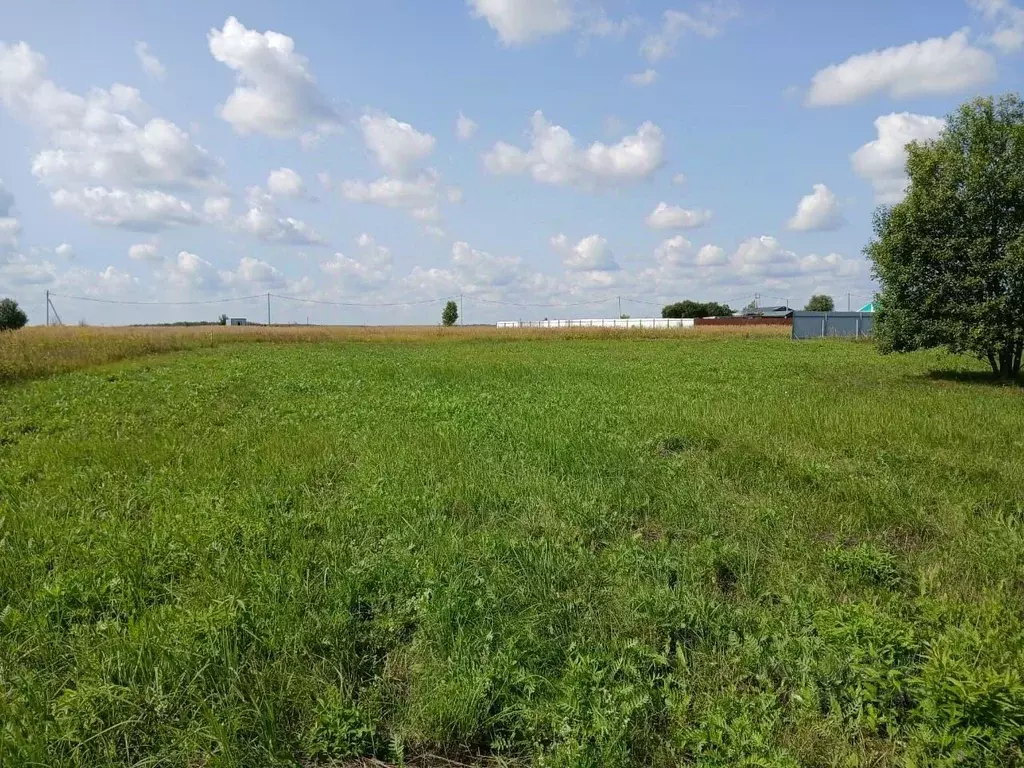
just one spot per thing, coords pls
(43, 351)
(420, 548)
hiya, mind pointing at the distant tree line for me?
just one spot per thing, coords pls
(689, 308)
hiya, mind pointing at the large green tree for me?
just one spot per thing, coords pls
(820, 302)
(450, 313)
(950, 257)
(690, 308)
(11, 316)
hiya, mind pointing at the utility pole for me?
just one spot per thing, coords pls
(847, 302)
(268, 309)
(47, 307)
(620, 305)
(462, 317)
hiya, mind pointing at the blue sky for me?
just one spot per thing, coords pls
(143, 172)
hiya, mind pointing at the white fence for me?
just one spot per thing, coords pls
(632, 322)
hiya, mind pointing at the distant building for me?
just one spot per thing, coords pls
(238, 321)
(869, 307)
(780, 311)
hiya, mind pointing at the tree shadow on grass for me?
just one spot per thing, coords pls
(986, 378)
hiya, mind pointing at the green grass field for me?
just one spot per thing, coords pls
(599, 552)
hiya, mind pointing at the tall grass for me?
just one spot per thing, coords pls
(693, 550)
(36, 352)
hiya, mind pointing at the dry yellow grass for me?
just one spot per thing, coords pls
(37, 352)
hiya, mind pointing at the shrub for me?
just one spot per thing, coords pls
(11, 315)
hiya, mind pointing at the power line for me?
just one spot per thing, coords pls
(553, 306)
(358, 304)
(662, 303)
(641, 301)
(480, 299)
(155, 303)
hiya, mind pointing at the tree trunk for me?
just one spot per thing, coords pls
(993, 363)
(1009, 361)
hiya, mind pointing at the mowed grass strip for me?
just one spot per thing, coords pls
(595, 552)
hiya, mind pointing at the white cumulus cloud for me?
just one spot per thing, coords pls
(150, 63)
(189, 271)
(143, 252)
(417, 193)
(666, 216)
(708, 20)
(555, 158)
(137, 210)
(104, 157)
(817, 211)
(284, 182)
(252, 274)
(642, 79)
(276, 93)
(65, 251)
(591, 254)
(764, 258)
(6, 200)
(1007, 21)
(678, 252)
(369, 269)
(20, 270)
(936, 66)
(523, 21)
(465, 128)
(882, 161)
(263, 221)
(479, 269)
(10, 227)
(397, 146)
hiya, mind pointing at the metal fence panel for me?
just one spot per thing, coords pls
(817, 325)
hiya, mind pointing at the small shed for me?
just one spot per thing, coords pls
(818, 325)
(238, 321)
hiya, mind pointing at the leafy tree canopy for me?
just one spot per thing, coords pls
(696, 309)
(450, 313)
(11, 315)
(820, 303)
(950, 257)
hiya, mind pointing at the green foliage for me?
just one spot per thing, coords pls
(689, 308)
(222, 320)
(339, 729)
(950, 257)
(629, 568)
(821, 303)
(450, 313)
(12, 318)
(866, 564)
